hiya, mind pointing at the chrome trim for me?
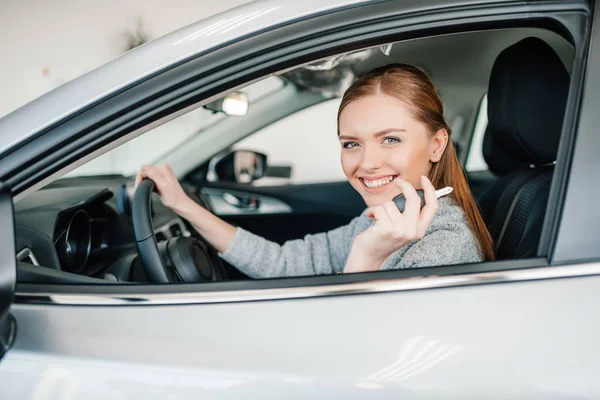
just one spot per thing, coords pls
(211, 175)
(372, 286)
(26, 252)
(234, 201)
(217, 200)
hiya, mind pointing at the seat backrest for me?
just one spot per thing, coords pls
(527, 96)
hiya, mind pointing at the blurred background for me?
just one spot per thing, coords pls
(53, 41)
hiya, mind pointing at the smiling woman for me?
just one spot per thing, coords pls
(398, 113)
(224, 336)
(394, 139)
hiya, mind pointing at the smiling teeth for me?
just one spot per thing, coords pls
(378, 182)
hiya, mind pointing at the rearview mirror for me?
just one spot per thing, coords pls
(241, 166)
(235, 104)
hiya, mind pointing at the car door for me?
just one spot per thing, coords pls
(305, 208)
(516, 328)
(8, 271)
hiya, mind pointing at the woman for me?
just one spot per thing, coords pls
(393, 139)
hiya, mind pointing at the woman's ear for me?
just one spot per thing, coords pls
(439, 141)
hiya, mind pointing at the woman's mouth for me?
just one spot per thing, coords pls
(377, 184)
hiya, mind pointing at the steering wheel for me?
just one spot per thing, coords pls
(181, 259)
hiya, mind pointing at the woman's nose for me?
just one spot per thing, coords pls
(372, 158)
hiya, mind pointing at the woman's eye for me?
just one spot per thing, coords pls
(349, 145)
(391, 140)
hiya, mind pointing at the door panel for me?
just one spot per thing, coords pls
(510, 340)
(8, 269)
(312, 208)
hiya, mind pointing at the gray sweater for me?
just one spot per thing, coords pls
(448, 240)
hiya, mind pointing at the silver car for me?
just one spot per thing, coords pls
(105, 293)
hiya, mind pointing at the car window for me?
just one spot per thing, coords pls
(304, 141)
(475, 160)
(127, 158)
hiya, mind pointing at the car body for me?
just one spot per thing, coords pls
(515, 328)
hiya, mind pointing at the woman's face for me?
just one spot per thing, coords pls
(380, 141)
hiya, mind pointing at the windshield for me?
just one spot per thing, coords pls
(151, 146)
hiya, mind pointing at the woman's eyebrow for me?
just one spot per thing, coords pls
(346, 137)
(376, 134)
(389, 130)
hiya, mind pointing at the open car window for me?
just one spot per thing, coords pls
(96, 239)
(306, 142)
(153, 146)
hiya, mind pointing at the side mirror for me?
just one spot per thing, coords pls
(235, 104)
(241, 166)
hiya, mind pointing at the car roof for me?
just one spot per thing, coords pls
(168, 50)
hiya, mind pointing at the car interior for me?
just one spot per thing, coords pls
(80, 229)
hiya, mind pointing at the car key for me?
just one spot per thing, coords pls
(401, 201)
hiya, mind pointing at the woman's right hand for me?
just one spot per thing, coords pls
(168, 187)
(216, 231)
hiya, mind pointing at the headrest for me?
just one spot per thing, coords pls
(527, 96)
(498, 161)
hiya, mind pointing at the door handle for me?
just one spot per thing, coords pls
(242, 202)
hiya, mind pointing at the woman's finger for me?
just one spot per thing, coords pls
(141, 174)
(431, 205)
(168, 174)
(413, 201)
(380, 215)
(396, 217)
(165, 170)
(152, 172)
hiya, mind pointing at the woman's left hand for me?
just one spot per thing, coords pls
(392, 229)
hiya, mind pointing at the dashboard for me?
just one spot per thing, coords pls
(83, 227)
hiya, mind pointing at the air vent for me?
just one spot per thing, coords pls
(26, 256)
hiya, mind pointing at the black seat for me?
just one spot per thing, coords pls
(526, 104)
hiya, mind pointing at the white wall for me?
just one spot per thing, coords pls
(48, 42)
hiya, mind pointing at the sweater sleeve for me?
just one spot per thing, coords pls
(319, 254)
(439, 248)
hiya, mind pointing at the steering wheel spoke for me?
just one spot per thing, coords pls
(181, 259)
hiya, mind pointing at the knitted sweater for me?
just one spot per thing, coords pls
(448, 240)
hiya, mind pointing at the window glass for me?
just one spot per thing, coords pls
(305, 141)
(475, 160)
(149, 147)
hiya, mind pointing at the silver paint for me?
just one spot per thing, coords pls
(492, 341)
(364, 287)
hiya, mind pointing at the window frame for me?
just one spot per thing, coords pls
(208, 85)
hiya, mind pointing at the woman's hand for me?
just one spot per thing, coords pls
(168, 187)
(392, 229)
(214, 230)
